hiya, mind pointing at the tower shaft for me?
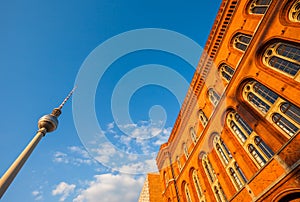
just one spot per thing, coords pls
(13, 170)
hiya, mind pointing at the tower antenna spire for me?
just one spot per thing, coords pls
(57, 111)
(68, 97)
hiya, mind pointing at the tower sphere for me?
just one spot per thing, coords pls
(49, 122)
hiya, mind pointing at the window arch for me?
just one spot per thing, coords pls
(203, 118)
(294, 12)
(283, 57)
(226, 71)
(259, 6)
(198, 186)
(187, 193)
(284, 115)
(213, 97)
(185, 150)
(193, 134)
(241, 41)
(258, 150)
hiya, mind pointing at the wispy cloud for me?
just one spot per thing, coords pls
(64, 190)
(111, 188)
(74, 155)
(38, 195)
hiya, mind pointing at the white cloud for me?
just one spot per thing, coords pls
(38, 195)
(60, 157)
(111, 188)
(163, 138)
(63, 189)
(75, 156)
(110, 125)
(105, 152)
(142, 166)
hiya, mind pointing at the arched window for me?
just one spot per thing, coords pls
(291, 111)
(193, 134)
(231, 167)
(219, 193)
(185, 150)
(222, 154)
(178, 162)
(259, 6)
(238, 126)
(222, 151)
(288, 119)
(187, 193)
(226, 71)
(197, 185)
(235, 178)
(208, 169)
(284, 124)
(202, 117)
(241, 41)
(257, 155)
(265, 101)
(263, 147)
(213, 97)
(283, 57)
(260, 96)
(294, 12)
(240, 172)
(259, 151)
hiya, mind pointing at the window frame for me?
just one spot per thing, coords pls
(271, 51)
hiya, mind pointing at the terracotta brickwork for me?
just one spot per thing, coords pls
(151, 191)
(236, 137)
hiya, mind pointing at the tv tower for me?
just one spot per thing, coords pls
(46, 123)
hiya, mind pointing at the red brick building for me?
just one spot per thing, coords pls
(237, 135)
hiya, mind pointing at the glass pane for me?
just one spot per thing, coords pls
(284, 124)
(265, 92)
(260, 105)
(256, 155)
(226, 149)
(263, 2)
(226, 75)
(291, 111)
(289, 52)
(222, 154)
(243, 124)
(240, 172)
(238, 132)
(285, 66)
(245, 39)
(210, 175)
(259, 10)
(241, 46)
(229, 70)
(264, 147)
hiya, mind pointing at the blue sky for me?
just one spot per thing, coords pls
(43, 45)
